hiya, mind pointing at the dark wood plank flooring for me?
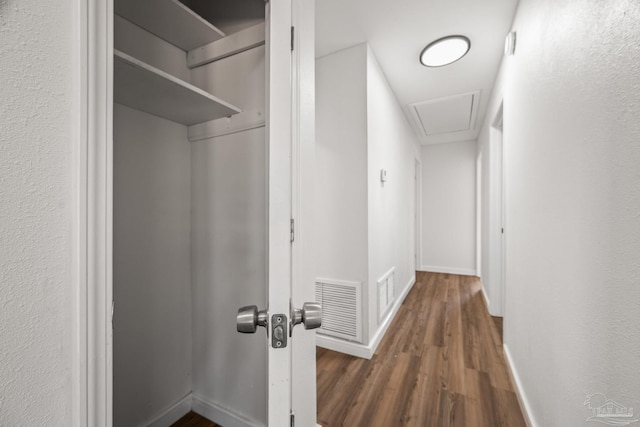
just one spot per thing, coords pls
(194, 420)
(441, 363)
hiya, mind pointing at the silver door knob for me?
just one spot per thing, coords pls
(249, 318)
(310, 315)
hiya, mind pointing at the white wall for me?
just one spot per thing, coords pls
(571, 108)
(229, 270)
(36, 182)
(341, 165)
(391, 145)
(449, 208)
(151, 248)
(363, 228)
(151, 265)
(229, 242)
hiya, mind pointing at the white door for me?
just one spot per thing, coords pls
(280, 316)
(279, 134)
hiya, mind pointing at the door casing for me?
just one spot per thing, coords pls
(92, 264)
(497, 216)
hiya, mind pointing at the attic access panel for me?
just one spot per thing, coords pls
(446, 115)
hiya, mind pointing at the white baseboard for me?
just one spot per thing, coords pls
(200, 405)
(522, 397)
(347, 347)
(172, 414)
(382, 328)
(486, 298)
(362, 350)
(220, 415)
(448, 270)
(496, 312)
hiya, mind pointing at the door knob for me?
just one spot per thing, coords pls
(310, 315)
(249, 318)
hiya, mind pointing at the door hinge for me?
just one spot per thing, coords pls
(293, 230)
(113, 306)
(293, 36)
(293, 420)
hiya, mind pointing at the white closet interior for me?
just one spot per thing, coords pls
(189, 192)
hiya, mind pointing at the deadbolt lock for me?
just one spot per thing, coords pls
(279, 331)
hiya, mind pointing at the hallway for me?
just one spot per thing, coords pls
(440, 363)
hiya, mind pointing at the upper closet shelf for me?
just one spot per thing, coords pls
(170, 20)
(143, 87)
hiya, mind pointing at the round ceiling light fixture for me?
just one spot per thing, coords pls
(444, 51)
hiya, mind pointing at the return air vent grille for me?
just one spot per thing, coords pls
(341, 308)
(386, 293)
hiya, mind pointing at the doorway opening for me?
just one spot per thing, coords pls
(417, 200)
(498, 216)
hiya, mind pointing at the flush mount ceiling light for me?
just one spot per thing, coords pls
(444, 51)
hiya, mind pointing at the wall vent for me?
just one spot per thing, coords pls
(341, 308)
(386, 293)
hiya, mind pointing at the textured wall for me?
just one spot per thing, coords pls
(572, 145)
(35, 194)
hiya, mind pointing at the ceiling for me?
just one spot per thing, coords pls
(397, 30)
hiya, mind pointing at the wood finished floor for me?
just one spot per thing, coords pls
(441, 363)
(194, 420)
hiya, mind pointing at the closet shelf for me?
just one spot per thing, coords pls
(170, 20)
(143, 87)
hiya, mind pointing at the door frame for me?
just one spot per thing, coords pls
(497, 215)
(479, 236)
(303, 361)
(279, 130)
(92, 263)
(418, 213)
